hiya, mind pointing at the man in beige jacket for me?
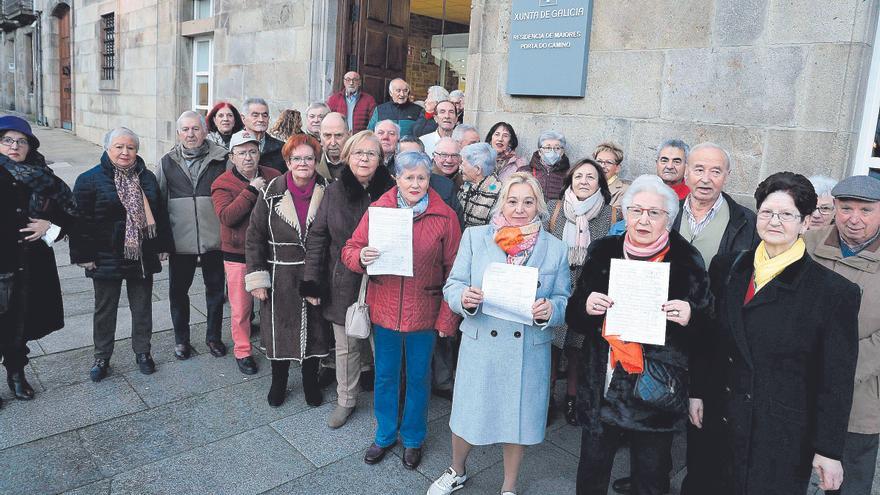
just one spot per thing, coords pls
(851, 247)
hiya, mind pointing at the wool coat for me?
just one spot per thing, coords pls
(326, 276)
(863, 269)
(778, 384)
(275, 256)
(100, 235)
(688, 282)
(502, 384)
(408, 304)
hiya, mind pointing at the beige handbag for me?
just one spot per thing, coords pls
(357, 316)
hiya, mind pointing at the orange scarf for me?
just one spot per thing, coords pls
(630, 355)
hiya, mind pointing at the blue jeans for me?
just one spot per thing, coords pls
(392, 347)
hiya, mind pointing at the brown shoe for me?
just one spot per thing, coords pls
(375, 454)
(412, 458)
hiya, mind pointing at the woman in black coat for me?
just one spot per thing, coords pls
(123, 234)
(36, 207)
(774, 388)
(649, 206)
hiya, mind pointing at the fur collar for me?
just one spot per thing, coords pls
(277, 193)
(381, 183)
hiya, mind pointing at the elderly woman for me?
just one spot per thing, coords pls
(223, 121)
(503, 139)
(327, 282)
(407, 312)
(501, 387)
(34, 200)
(275, 251)
(777, 380)
(234, 195)
(549, 164)
(609, 156)
(823, 215)
(481, 186)
(582, 216)
(617, 375)
(123, 235)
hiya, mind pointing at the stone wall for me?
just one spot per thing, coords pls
(778, 83)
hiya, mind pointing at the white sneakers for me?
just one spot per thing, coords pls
(447, 483)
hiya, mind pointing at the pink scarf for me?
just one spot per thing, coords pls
(576, 232)
(644, 252)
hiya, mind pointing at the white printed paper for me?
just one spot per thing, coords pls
(509, 292)
(391, 233)
(638, 289)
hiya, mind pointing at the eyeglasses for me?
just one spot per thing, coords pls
(249, 154)
(606, 163)
(296, 160)
(447, 156)
(360, 155)
(825, 210)
(552, 148)
(783, 216)
(654, 214)
(8, 141)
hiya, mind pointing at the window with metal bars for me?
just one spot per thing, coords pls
(108, 66)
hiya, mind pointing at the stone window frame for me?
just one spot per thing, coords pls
(195, 5)
(863, 161)
(196, 74)
(101, 33)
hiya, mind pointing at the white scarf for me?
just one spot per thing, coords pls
(576, 233)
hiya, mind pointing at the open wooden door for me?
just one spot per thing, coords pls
(65, 69)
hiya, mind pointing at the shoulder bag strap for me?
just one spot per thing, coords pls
(362, 293)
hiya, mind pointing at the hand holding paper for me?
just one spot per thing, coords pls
(391, 234)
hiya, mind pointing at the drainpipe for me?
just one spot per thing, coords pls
(37, 67)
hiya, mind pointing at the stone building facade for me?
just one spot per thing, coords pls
(782, 84)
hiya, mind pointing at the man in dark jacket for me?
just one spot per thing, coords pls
(356, 105)
(185, 175)
(403, 112)
(255, 115)
(334, 134)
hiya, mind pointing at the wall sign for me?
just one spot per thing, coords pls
(548, 46)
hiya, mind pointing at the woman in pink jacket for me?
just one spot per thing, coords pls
(407, 312)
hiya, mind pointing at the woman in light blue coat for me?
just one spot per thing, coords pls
(502, 382)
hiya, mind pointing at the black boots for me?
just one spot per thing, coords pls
(18, 385)
(278, 389)
(311, 388)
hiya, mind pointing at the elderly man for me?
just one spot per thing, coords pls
(185, 175)
(426, 124)
(465, 135)
(334, 134)
(671, 161)
(445, 118)
(389, 135)
(457, 98)
(447, 160)
(403, 112)
(256, 120)
(234, 195)
(356, 105)
(851, 247)
(314, 115)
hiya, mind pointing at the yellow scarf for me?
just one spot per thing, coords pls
(767, 268)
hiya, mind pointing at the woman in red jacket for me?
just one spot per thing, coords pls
(407, 312)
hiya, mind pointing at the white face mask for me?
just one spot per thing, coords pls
(550, 157)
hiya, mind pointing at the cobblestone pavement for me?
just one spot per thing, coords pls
(201, 427)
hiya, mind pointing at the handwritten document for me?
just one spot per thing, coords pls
(509, 292)
(391, 233)
(638, 289)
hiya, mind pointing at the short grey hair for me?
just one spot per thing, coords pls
(246, 107)
(121, 131)
(189, 114)
(674, 143)
(437, 93)
(822, 184)
(397, 79)
(712, 146)
(318, 104)
(457, 93)
(480, 155)
(460, 129)
(389, 121)
(409, 160)
(409, 138)
(551, 135)
(652, 183)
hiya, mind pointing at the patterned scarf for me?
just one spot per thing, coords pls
(46, 189)
(767, 268)
(576, 232)
(420, 207)
(636, 252)
(517, 242)
(139, 221)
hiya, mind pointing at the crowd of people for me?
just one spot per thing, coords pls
(771, 357)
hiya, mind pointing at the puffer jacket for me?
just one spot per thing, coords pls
(234, 199)
(100, 233)
(194, 223)
(412, 303)
(550, 178)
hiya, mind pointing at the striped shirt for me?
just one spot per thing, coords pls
(697, 227)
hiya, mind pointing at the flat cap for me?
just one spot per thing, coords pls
(860, 187)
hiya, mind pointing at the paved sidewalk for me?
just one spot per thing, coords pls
(201, 427)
